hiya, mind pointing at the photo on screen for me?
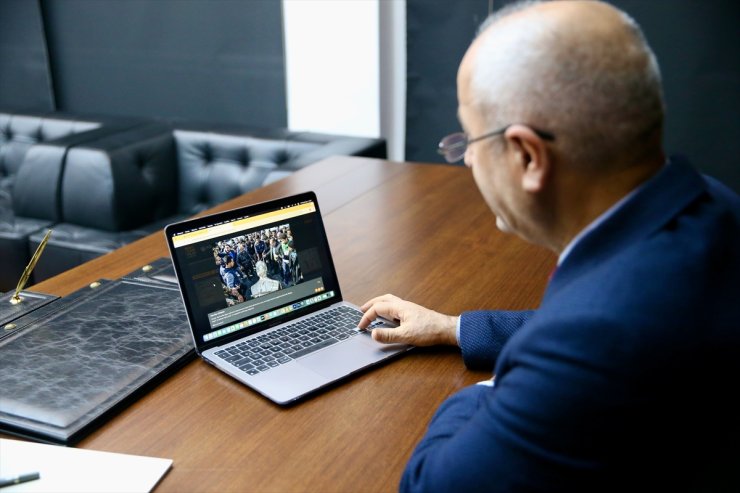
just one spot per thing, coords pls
(257, 263)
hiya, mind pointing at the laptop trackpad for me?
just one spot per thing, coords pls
(342, 359)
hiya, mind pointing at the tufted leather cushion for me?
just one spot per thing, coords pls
(19, 132)
(215, 167)
(122, 181)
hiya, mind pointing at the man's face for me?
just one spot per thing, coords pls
(487, 158)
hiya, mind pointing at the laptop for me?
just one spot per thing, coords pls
(263, 299)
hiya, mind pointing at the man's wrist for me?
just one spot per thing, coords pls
(446, 330)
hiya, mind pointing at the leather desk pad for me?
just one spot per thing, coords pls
(73, 360)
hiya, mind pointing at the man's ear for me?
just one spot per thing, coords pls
(532, 155)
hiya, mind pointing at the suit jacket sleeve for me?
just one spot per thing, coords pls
(484, 333)
(536, 427)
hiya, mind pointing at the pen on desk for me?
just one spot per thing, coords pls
(21, 478)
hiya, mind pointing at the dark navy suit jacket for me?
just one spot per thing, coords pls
(624, 378)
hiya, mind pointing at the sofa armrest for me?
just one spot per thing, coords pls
(37, 186)
(334, 145)
(122, 181)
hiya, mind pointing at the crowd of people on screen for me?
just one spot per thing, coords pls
(257, 264)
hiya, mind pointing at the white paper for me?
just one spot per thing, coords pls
(69, 470)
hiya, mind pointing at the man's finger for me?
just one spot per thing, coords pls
(378, 299)
(383, 309)
(367, 317)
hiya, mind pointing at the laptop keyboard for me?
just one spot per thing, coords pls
(293, 341)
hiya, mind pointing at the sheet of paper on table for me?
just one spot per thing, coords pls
(65, 469)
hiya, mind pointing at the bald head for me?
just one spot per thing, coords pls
(579, 69)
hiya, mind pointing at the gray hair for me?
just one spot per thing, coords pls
(601, 99)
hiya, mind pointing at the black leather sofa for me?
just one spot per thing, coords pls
(33, 147)
(123, 185)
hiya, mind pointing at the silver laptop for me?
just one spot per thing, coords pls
(264, 302)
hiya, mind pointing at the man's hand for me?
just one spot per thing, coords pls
(419, 326)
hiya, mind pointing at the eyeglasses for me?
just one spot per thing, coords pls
(453, 146)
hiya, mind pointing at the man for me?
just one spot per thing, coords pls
(235, 281)
(220, 265)
(625, 377)
(244, 260)
(285, 249)
(260, 248)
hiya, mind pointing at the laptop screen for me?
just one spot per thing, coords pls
(248, 269)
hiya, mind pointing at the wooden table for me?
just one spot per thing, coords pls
(419, 231)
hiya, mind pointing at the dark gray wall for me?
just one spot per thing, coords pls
(695, 42)
(696, 45)
(24, 70)
(437, 34)
(207, 60)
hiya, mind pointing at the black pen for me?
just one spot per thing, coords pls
(21, 478)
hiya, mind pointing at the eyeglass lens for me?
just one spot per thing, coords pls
(453, 147)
